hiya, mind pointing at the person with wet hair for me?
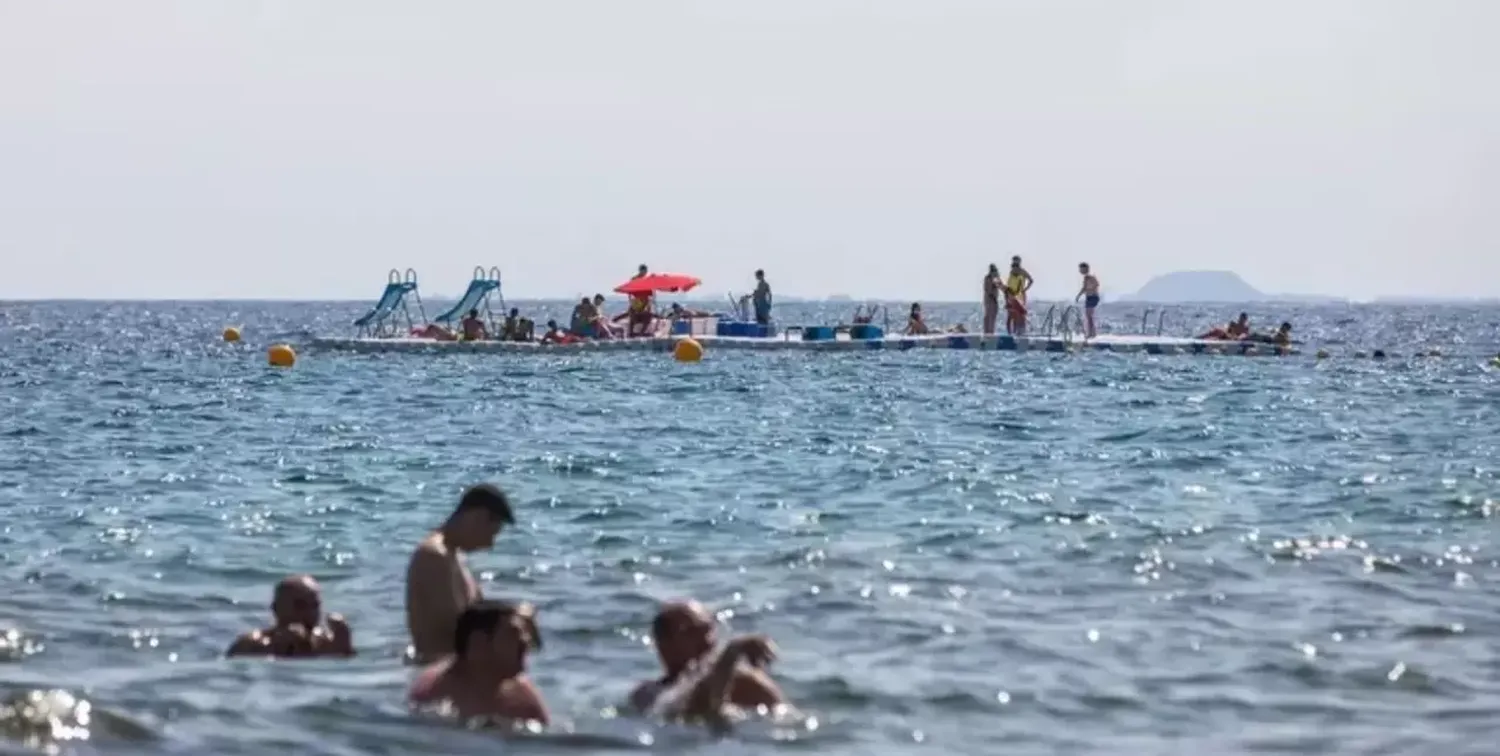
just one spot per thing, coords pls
(697, 683)
(297, 628)
(486, 674)
(438, 583)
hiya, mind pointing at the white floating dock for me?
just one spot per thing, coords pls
(1104, 343)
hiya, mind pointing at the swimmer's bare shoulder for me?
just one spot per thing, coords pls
(432, 601)
(253, 643)
(520, 699)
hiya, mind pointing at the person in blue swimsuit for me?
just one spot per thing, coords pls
(1090, 296)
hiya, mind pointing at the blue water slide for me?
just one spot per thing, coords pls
(480, 288)
(396, 289)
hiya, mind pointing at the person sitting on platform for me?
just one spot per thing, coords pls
(584, 315)
(556, 335)
(915, 325)
(512, 325)
(474, 329)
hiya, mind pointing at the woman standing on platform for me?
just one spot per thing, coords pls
(991, 299)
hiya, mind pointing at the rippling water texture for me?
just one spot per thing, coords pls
(959, 552)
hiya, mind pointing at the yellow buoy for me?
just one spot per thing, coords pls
(231, 334)
(687, 350)
(281, 355)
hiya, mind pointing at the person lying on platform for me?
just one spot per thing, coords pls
(474, 329)
(1236, 330)
(435, 332)
(1282, 337)
(915, 325)
(297, 628)
(678, 312)
(556, 335)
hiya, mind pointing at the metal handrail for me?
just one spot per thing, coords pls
(1047, 322)
(1065, 328)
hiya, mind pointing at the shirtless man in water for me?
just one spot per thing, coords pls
(486, 675)
(695, 683)
(438, 584)
(297, 629)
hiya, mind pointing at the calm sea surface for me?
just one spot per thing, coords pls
(959, 552)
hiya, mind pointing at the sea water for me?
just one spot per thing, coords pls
(958, 552)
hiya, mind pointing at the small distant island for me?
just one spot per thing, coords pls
(1214, 286)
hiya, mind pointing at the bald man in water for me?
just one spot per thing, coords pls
(699, 681)
(297, 629)
(439, 585)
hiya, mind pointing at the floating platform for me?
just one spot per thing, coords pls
(1104, 343)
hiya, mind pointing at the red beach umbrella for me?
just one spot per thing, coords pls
(654, 282)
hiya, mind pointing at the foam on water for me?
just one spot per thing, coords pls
(958, 551)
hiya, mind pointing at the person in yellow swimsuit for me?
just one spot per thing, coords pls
(1017, 284)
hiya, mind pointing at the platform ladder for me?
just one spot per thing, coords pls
(486, 313)
(386, 324)
(1161, 315)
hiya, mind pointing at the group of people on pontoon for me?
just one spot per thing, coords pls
(1239, 330)
(473, 328)
(475, 650)
(1013, 288)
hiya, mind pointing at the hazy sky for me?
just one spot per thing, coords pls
(300, 148)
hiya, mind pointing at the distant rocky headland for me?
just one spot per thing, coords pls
(1214, 286)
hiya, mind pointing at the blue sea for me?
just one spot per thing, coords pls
(958, 552)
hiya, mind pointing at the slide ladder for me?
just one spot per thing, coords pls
(393, 306)
(484, 287)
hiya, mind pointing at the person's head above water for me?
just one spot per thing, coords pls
(297, 600)
(1286, 327)
(482, 511)
(552, 325)
(1244, 317)
(682, 632)
(496, 635)
(916, 308)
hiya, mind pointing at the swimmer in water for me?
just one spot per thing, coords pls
(486, 675)
(438, 583)
(297, 629)
(695, 683)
